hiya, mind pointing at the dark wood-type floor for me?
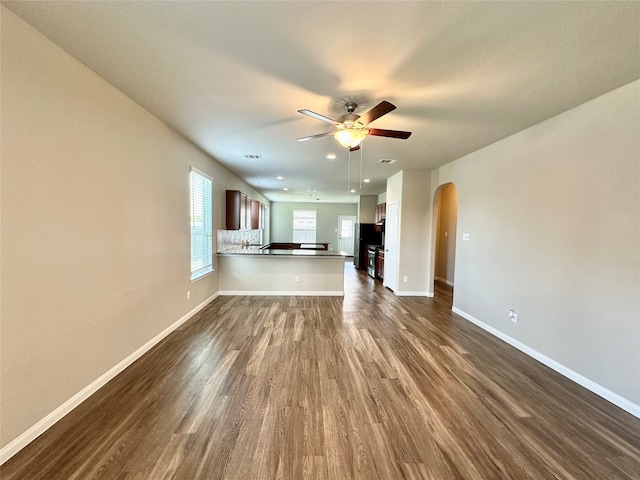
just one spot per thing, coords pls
(372, 386)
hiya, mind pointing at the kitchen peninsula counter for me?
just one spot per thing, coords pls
(298, 252)
(273, 271)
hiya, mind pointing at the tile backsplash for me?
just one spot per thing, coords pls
(235, 238)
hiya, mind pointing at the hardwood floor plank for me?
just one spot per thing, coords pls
(369, 386)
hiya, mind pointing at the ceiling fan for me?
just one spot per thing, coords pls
(350, 128)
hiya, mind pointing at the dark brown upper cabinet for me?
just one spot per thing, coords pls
(381, 212)
(243, 213)
(238, 210)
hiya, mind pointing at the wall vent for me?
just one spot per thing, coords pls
(253, 156)
(388, 161)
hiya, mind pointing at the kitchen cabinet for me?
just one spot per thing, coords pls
(255, 215)
(245, 211)
(242, 212)
(381, 212)
(238, 210)
(261, 223)
(380, 265)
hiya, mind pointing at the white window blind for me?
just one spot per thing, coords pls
(201, 225)
(304, 226)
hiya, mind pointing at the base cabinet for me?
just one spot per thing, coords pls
(380, 265)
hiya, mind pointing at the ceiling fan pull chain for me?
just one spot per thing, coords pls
(349, 173)
(361, 149)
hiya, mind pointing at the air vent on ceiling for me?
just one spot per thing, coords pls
(388, 161)
(253, 156)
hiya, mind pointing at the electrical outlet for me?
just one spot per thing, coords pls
(297, 278)
(405, 279)
(188, 294)
(513, 316)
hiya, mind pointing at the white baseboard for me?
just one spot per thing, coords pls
(596, 388)
(279, 293)
(445, 281)
(47, 422)
(413, 294)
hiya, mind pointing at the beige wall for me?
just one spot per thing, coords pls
(95, 226)
(415, 219)
(367, 208)
(447, 209)
(411, 189)
(553, 214)
(327, 220)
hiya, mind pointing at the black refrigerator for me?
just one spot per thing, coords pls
(366, 234)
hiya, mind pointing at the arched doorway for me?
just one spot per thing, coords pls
(446, 221)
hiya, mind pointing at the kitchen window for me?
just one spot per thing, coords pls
(304, 226)
(201, 219)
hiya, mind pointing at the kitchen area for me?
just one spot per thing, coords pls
(369, 245)
(250, 266)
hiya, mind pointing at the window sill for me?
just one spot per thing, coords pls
(201, 274)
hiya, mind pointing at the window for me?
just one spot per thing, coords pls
(346, 228)
(304, 226)
(201, 225)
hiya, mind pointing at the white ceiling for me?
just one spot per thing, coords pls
(230, 76)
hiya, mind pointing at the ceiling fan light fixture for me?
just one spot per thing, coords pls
(350, 137)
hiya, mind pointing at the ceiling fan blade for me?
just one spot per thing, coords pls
(354, 149)
(376, 112)
(304, 139)
(317, 116)
(377, 132)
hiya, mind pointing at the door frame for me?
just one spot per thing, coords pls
(394, 267)
(435, 227)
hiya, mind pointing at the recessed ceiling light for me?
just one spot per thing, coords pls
(352, 190)
(285, 189)
(331, 156)
(366, 180)
(279, 177)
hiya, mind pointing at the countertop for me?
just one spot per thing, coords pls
(271, 252)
